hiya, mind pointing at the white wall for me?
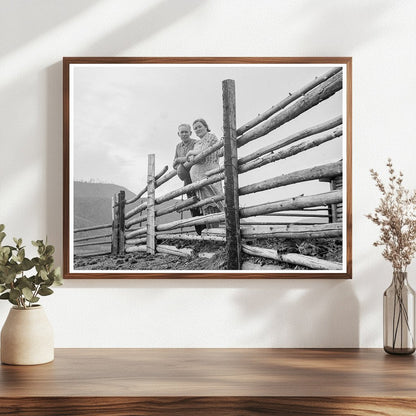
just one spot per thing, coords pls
(34, 36)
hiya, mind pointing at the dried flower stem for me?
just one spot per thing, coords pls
(396, 216)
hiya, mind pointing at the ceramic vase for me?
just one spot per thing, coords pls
(27, 337)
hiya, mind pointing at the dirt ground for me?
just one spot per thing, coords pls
(143, 261)
(327, 249)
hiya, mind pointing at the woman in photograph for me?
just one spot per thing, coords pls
(198, 170)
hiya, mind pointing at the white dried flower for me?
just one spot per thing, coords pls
(396, 216)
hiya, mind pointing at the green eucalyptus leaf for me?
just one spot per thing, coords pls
(49, 283)
(26, 264)
(24, 282)
(55, 273)
(45, 291)
(37, 243)
(14, 267)
(6, 296)
(58, 276)
(2, 236)
(38, 280)
(48, 261)
(21, 255)
(5, 250)
(15, 294)
(9, 277)
(2, 227)
(2, 288)
(49, 250)
(27, 293)
(18, 242)
(43, 274)
(5, 253)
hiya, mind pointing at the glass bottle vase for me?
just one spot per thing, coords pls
(399, 316)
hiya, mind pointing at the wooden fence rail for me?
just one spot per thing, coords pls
(284, 231)
(309, 100)
(178, 207)
(292, 97)
(291, 151)
(328, 170)
(95, 237)
(144, 190)
(285, 142)
(327, 198)
(96, 227)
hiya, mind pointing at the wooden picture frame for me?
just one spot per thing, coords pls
(120, 133)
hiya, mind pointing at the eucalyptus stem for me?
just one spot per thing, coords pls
(36, 291)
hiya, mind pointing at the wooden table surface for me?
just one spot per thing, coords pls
(212, 382)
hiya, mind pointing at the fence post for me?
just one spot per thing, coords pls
(121, 221)
(335, 210)
(114, 237)
(232, 215)
(336, 183)
(151, 235)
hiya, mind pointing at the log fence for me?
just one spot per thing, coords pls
(136, 229)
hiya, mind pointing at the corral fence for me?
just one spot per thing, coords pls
(127, 234)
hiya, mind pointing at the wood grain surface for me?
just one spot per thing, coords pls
(212, 382)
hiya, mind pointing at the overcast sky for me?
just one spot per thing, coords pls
(123, 112)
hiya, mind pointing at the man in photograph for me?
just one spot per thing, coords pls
(186, 144)
(182, 148)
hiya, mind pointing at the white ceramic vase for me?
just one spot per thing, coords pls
(27, 337)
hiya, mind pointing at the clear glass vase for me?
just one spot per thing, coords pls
(399, 316)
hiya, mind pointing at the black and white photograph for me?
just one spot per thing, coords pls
(221, 168)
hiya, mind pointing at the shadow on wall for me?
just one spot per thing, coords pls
(301, 313)
(153, 20)
(37, 17)
(281, 313)
(140, 28)
(348, 24)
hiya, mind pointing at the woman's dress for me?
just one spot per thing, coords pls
(198, 172)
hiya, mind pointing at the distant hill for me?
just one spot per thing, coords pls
(92, 204)
(99, 190)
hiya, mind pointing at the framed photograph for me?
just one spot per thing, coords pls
(207, 168)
